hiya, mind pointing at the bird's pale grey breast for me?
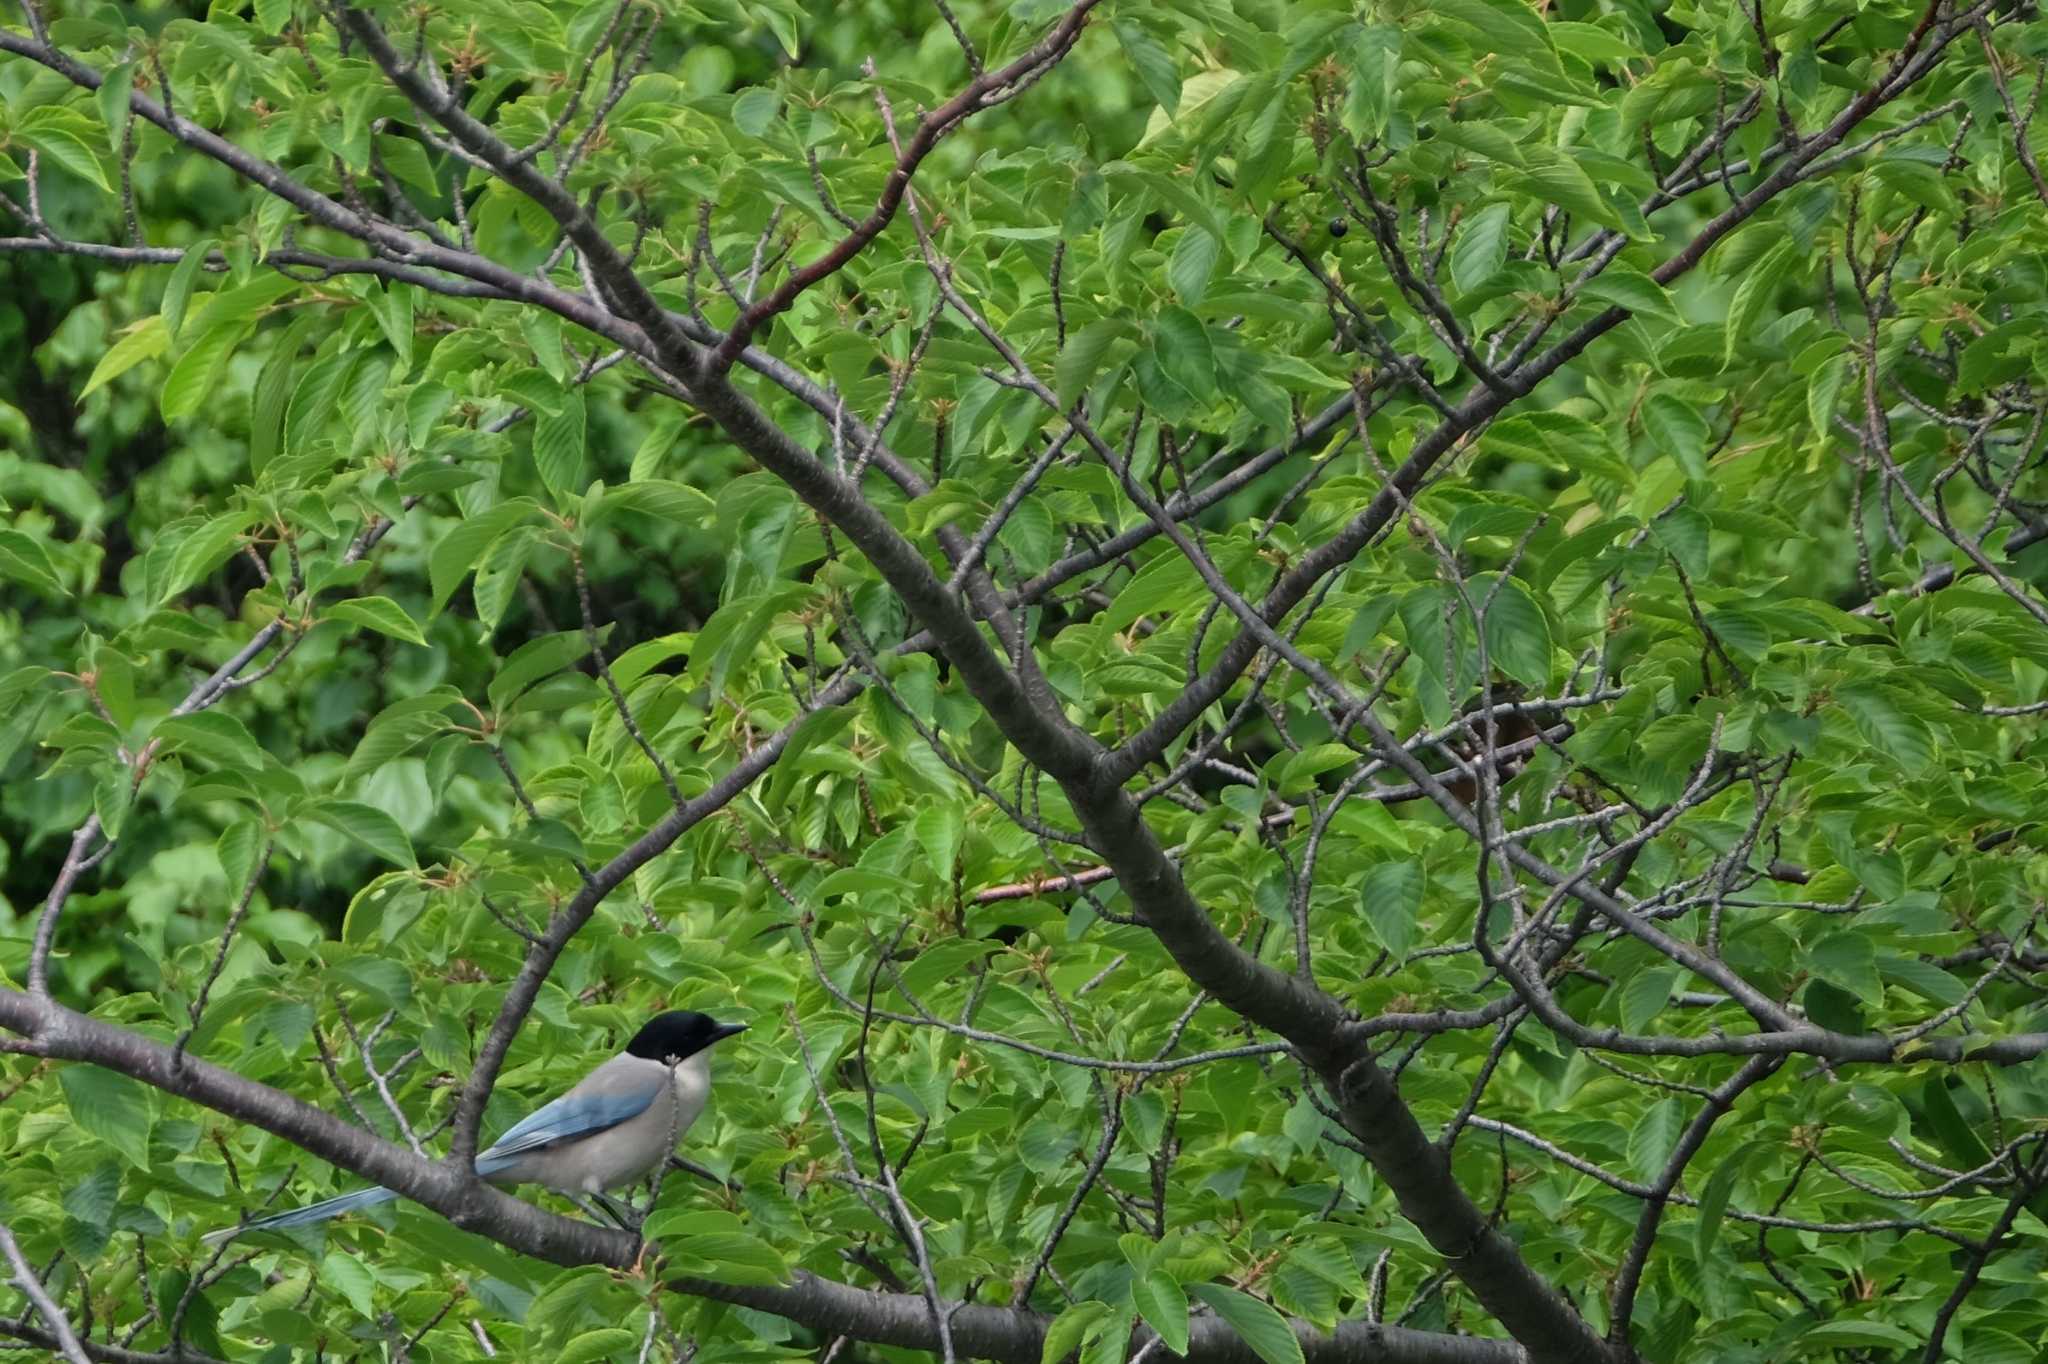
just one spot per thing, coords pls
(621, 1154)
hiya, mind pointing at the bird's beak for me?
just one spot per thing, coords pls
(726, 1030)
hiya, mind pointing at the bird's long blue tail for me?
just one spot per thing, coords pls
(487, 1165)
(312, 1212)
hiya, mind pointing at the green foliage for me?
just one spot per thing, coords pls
(370, 603)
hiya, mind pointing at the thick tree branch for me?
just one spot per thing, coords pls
(63, 1034)
(1015, 1336)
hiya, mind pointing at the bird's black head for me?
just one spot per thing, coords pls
(679, 1034)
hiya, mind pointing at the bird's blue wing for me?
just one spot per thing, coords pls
(299, 1217)
(571, 1116)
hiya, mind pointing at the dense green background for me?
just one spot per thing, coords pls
(1689, 526)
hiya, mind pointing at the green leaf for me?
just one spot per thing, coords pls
(753, 113)
(22, 682)
(938, 833)
(536, 659)
(1714, 1203)
(543, 331)
(1889, 729)
(1517, 633)
(204, 550)
(212, 734)
(725, 1257)
(1832, 1007)
(1683, 533)
(1256, 1323)
(820, 726)
(398, 729)
(1374, 53)
(1644, 995)
(1867, 1334)
(345, 1274)
(1626, 288)
(66, 148)
(1291, 371)
(366, 824)
(1561, 182)
(457, 551)
(1923, 978)
(1154, 66)
(609, 1342)
(1654, 1137)
(1298, 771)
(273, 392)
(382, 909)
(640, 660)
(146, 340)
(1185, 355)
(380, 614)
(391, 306)
(499, 572)
(1678, 431)
(193, 378)
(1081, 360)
(1759, 285)
(309, 413)
(1192, 263)
(736, 630)
(558, 449)
(113, 99)
(112, 1107)
(178, 291)
(246, 302)
(175, 1291)
(1391, 898)
(237, 847)
(1168, 581)
(1128, 177)
(1110, 1342)
(1489, 141)
(1068, 1329)
(112, 795)
(1164, 1306)
(1824, 393)
(24, 560)
(92, 1199)
(663, 499)
(1481, 247)
(382, 979)
(1506, 26)
(1966, 1150)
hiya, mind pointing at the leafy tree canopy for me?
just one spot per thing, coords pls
(1338, 682)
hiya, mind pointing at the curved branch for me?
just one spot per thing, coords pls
(985, 91)
(1015, 1336)
(381, 237)
(64, 1339)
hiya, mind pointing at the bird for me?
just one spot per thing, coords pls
(607, 1132)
